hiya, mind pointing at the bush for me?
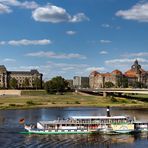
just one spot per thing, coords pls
(113, 99)
(12, 105)
(124, 101)
(77, 102)
(30, 102)
(33, 92)
(134, 101)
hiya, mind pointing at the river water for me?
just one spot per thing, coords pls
(10, 128)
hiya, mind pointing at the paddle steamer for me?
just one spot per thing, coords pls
(83, 124)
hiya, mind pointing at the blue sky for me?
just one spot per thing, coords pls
(73, 37)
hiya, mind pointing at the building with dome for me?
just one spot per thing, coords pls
(128, 79)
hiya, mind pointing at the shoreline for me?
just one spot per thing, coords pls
(121, 106)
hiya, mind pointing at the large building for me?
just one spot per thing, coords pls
(80, 82)
(134, 75)
(33, 78)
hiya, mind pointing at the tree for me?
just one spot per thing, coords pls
(124, 82)
(119, 82)
(137, 84)
(37, 83)
(56, 84)
(26, 83)
(13, 83)
(109, 84)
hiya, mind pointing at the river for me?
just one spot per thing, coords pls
(10, 128)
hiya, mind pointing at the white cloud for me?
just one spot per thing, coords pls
(4, 9)
(138, 54)
(103, 52)
(67, 66)
(125, 61)
(26, 42)
(70, 32)
(138, 12)
(90, 69)
(105, 41)
(50, 13)
(106, 25)
(54, 14)
(10, 2)
(79, 18)
(28, 67)
(29, 5)
(16, 3)
(50, 54)
(2, 42)
(9, 60)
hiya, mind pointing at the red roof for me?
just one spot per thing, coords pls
(131, 73)
(116, 72)
(107, 74)
(94, 73)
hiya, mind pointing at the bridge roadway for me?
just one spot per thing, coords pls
(105, 91)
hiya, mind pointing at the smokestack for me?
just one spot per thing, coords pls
(108, 111)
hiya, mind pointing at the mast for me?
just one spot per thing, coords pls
(108, 111)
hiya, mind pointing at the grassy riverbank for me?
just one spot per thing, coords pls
(66, 100)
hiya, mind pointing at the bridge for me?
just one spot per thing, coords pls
(107, 91)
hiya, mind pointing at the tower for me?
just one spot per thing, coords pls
(137, 68)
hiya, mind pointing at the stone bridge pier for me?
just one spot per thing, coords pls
(105, 94)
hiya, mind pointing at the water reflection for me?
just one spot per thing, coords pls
(83, 140)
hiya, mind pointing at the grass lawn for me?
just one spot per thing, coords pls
(140, 96)
(68, 99)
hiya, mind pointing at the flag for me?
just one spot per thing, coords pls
(22, 120)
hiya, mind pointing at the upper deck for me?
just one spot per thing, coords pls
(97, 117)
(86, 120)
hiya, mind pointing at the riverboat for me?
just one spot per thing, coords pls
(83, 124)
(140, 126)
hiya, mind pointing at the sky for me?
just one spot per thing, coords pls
(73, 37)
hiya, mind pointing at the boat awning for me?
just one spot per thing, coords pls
(140, 122)
(98, 117)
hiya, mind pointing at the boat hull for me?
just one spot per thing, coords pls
(123, 131)
(48, 133)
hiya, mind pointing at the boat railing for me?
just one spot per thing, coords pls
(70, 121)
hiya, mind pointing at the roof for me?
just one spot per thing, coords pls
(98, 117)
(2, 67)
(116, 72)
(106, 74)
(131, 73)
(31, 72)
(94, 73)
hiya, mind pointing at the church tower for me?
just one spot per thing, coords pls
(137, 68)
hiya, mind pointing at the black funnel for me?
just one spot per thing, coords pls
(108, 111)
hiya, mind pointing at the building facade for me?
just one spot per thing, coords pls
(134, 75)
(33, 78)
(80, 82)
